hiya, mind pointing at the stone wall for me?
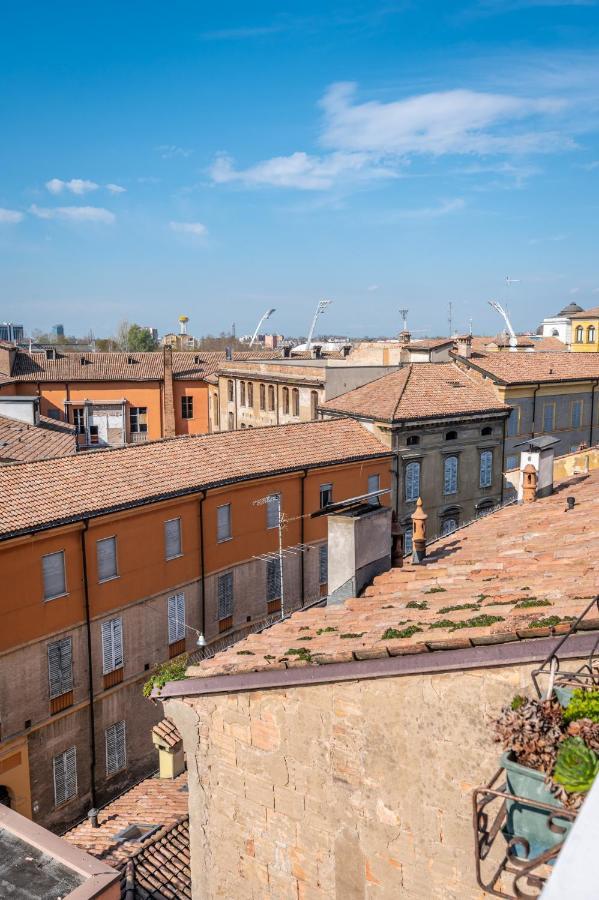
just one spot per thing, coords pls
(350, 790)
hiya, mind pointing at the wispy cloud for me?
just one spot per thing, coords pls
(194, 228)
(242, 33)
(372, 288)
(74, 213)
(444, 208)
(74, 186)
(10, 216)
(552, 239)
(171, 151)
(116, 189)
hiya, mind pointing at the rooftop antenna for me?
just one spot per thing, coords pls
(404, 315)
(470, 325)
(322, 305)
(266, 316)
(450, 318)
(509, 280)
(498, 308)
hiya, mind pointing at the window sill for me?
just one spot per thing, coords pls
(106, 580)
(56, 597)
(178, 556)
(224, 540)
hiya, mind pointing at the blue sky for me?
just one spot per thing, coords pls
(218, 159)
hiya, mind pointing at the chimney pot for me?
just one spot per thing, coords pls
(419, 518)
(571, 501)
(92, 815)
(529, 483)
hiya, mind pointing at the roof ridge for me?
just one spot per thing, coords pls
(402, 391)
(153, 839)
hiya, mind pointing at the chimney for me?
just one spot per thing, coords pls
(286, 352)
(359, 547)
(405, 337)
(317, 351)
(168, 396)
(464, 345)
(346, 350)
(529, 484)
(419, 518)
(228, 354)
(7, 358)
(92, 815)
(169, 744)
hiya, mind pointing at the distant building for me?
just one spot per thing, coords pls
(560, 325)
(585, 330)
(58, 330)
(153, 331)
(11, 333)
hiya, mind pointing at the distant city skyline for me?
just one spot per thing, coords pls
(216, 161)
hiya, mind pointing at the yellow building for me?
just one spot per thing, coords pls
(585, 331)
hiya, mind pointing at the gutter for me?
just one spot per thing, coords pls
(412, 662)
(304, 475)
(534, 408)
(90, 673)
(596, 382)
(202, 564)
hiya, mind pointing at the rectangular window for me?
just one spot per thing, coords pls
(79, 420)
(408, 540)
(116, 747)
(272, 511)
(106, 555)
(262, 396)
(187, 407)
(412, 481)
(230, 390)
(94, 434)
(576, 413)
(242, 393)
(511, 463)
(450, 475)
(172, 538)
(138, 419)
(231, 422)
(374, 484)
(54, 575)
(513, 422)
(225, 595)
(65, 776)
(60, 667)
(176, 618)
(112, 645)
(273, 580)
(223, 522)
(323, 564)
(486, 469)
(548, 417)
(326, 495)
(250, 394)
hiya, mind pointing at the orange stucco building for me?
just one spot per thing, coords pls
(115, 561)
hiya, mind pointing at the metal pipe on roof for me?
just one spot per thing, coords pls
(202, 564)
(90, 673)
(534, 408)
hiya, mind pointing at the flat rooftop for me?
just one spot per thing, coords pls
(27, 873)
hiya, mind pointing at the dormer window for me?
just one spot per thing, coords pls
(51, 353)
(412, 440)
(197, 360)
(130, 361)
(487, 431)
(451, 436)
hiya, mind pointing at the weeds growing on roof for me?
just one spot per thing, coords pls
(393, 633)
(448, 609)
(550, 621)
(417, 604)
(300, 652)
(352, 634)
(531, 601)
(476, 622)
(436, 590)
(326, 630)
(245, 653)
(173, 670)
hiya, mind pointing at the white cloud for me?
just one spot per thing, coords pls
(74, 213)
(116, 189)
(194, 228)
(77, 186)
(171, 151)
(372, 287)
(10, 216)
(554, 238)
(444, 208)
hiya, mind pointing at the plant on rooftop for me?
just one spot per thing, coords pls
(583, 705)
(527, 602)
(300, 652)
(576, 766)
(517, 702)
(393, 633)
(245, 653)
(436, 590)
(173, 670)
(550, 621)
(306, 637)
(417, 604)
(326, 630)
(475, 622)
(482, 597)
(352, 634)
(448, 609)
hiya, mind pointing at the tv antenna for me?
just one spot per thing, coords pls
(404, 315)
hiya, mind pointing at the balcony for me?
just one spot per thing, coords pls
(138, 437)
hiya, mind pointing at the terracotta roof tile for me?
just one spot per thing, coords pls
(592, 313)
(530, 368)
(38, 494)
(203, 364)
(21, 442)
(167, 733)
(419, 391)
(161, 868)
(520, 573)
(428, 343)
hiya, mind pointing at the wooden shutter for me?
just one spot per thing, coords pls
(176, 618)
(412, 481)
(225, 595)
(323, 563)
(223, 522)
(116, 750)
(450, 483)
(60, 667)
(172, 538)
(486, 468)
(106, 554)
(272, 511)
(112, 645)
(65, 776)
(54, 577)
(273, 579)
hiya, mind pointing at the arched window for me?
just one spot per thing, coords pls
(295, 398)
(486, 431)
(412, 481)
(230, 389)
(579, 334)
(449, 524)
(271, 397)
(484, 508)
(250, 394)
(231, 422)
(451, 436)
(486, 468)
(242, 393)
(412, 440)
(286, 401)
(591, 334)
(262, 396)
(314, 404)
(450, 475)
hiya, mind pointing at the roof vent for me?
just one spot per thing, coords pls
(138, 832)
(83, 361)
(50, 353)
(197, 360)
(131, 360)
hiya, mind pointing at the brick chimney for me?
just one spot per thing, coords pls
(405, 337)
(7, 358)
(464, 345)
(529, 483)
(168, 396)
(419, 518)
(169, 744)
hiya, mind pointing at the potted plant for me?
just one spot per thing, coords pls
(551, 757)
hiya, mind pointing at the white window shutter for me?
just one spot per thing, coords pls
(65, 776)
(450, 481)
(106, 554)
(116, 749)
(112, 645)
(60, 667)
(486, 468)
(176, 618)
(272, 511)
(54, 575)
(172, 538)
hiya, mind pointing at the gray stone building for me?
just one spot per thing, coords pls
(447, 430)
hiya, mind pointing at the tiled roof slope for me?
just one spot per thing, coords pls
(167, 732)
(428, 343)
(530, 368)
(419, 391)
(21, 442)
(185, 366)
(161, 868)
(154, 801)
(517, 574)
(591, 313)
(38, 494)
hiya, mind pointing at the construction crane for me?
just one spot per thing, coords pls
(499, 308)
(322, 305)
(266, 316)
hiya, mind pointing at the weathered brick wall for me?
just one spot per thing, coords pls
(347, 791)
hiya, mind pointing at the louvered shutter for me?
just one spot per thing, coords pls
(106, 554)
(412, 479)
(176, 618)
(60, 667)
(54, 576)
(223, 524)
(374, 484)
(450, 483)
(112, 645)
(172, 538)
(225, 595)
(272, 511)
(65, 776)
(116, 751)
(323, 563)
(273, 579)
(486, 468)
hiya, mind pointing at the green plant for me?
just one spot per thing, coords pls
(517, 702)
(576, 765)
(417, 604)
(173, 670)
(436, 590)
(245, 653)
(527, 602)
(532, 731)
(300, 652)
(306, 637)
(482, 597)
(583, 705)
(352, 634)
(448, 609)
(326, 630)
(475, 622)
(393, 633)
(549, 622)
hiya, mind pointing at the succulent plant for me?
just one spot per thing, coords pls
(576, 765)
(532, 732)
(587, 730)
(583, 705)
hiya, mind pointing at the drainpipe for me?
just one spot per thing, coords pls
(90, 680)
(595, 383)
(534, 409)
(235, 423)
(202, 565)
(277, 399)
(302, 508)
(503, 459)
